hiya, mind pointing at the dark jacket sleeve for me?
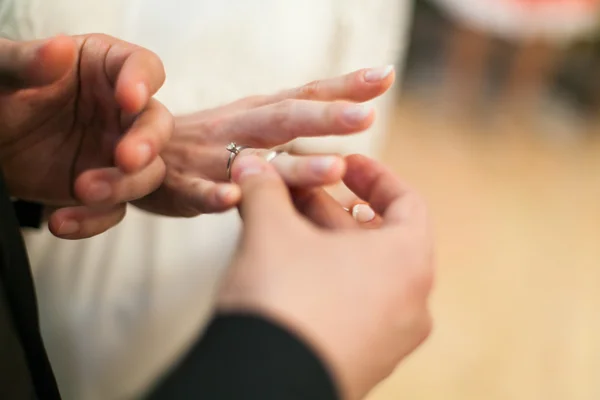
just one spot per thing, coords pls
(243, 357)
(24, 366)
(29, 214)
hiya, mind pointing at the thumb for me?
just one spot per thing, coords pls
(265, 197)
(35, 63)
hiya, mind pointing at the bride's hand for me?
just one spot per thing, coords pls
(196, 181)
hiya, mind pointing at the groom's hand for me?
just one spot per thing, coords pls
(79, 127)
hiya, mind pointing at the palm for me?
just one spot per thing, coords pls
(62, 129)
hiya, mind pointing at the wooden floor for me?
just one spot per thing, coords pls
(517, 298)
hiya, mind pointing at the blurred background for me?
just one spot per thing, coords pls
(498, 126)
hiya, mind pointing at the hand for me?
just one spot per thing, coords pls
(78, 125)
(196, 181)
(359, 297)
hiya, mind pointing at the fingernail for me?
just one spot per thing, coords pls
(357, 113)
(363, 213)
(378, 74)
(322, 165)
(99, 191)
(144, 153)
(248, 166)
(226, 192)
(68, 227)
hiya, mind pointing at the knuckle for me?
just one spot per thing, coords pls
(284, 108)
(210, 129)
(167, 123)
(99, 41)
(99, 37)
(281, 115)
(425, 327)
(310, 90)
(293, 119)
(120, 214)
(156, 176)
(181, 157)
(424, 275)
(155, 65)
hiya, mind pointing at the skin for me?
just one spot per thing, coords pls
(83, 135)
(78, 108)
(358, 296)
(78, 113)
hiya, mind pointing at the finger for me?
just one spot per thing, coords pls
(358, 86)
(146, 138)
(380, 187)
(35, 63)
(136, 73)
(296, 171)
(108, 186)
(323, 210)
(364, 215)
(194, 197)
(279, 123)
(265, 198)
(84, 222)
(206, 197)
(302, 171)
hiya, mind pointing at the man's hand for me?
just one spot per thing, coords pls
(359, 296)
(79, 127)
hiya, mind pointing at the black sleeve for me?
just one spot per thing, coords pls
(28, 214)
(243, 357)
(24, 345)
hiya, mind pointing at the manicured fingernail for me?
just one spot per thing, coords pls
(99, 191)
(68, 227)
(378, 74)
(355, 114)
(248, 166)
(225, 193)
(322, 165)
(362, 213)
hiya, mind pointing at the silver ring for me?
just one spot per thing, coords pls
(234, 150)
(273, 154)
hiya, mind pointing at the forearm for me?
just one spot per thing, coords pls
(247, 357)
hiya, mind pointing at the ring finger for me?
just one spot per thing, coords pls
(302, 171)
(296, 171)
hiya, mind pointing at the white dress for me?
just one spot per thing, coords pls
(554, 20)
(119, 308)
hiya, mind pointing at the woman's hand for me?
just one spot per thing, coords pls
(196, 180)
(359, 297)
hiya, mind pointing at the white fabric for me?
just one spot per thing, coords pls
(554, 20)
(117, 309)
